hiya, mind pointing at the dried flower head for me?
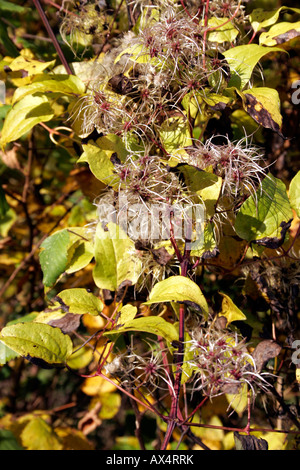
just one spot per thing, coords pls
(239, 165)
(142, 366)
(221, 363)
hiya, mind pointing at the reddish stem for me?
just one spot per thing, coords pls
(52, 36)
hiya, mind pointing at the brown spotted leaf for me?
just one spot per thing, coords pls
(263, 105)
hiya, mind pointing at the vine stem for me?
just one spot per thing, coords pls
(52, 36)
(179, 355)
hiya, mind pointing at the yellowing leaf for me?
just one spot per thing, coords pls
(238, 402)
(98, 156)
(80, 358)
(178, 289)
(30, 65)
(38, 435)
(46, 83)
(154, 325)
(39, 341)
(263, 105)
(230, 311)
(280, 33)
(115, 260)
(261, 215)
(22, 117)
(127, 313)
(93, 386)
(261, 18)
(175, 135)
(80, 301)
(73, 439)
(110, 405)
(243, 59)
(223, 32)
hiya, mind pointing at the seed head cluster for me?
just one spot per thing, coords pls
(221, 363)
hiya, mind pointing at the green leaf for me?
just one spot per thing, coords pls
(294, 193)
(263, 105)
(67, 251)
(46, 83)
(80, 301)
(154, 325)
(280, 33)
(261, 18)
(242, 60)
(100, 156)
(261, 214)
(8, 441)
(115, 260)
(12, 7)
(54, 256)
(39, 341)
(178, 289)
(22, 117)
(5, 40)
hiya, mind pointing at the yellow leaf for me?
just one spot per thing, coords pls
(93, 386)
(239, 401)
(230, 311)
(38, 435)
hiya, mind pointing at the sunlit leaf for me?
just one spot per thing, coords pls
(100, 157)
(31, 65)
(115, 260)
(46, 83)
(127, 313)
(175, 135)
(261, 18)
(22, 117)
(154, 325)
(230, 311)
(178, 289)
(80, 301)
(280, 33)
(263, 105)
(243, 59)
(39, 341)
(222, 32)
